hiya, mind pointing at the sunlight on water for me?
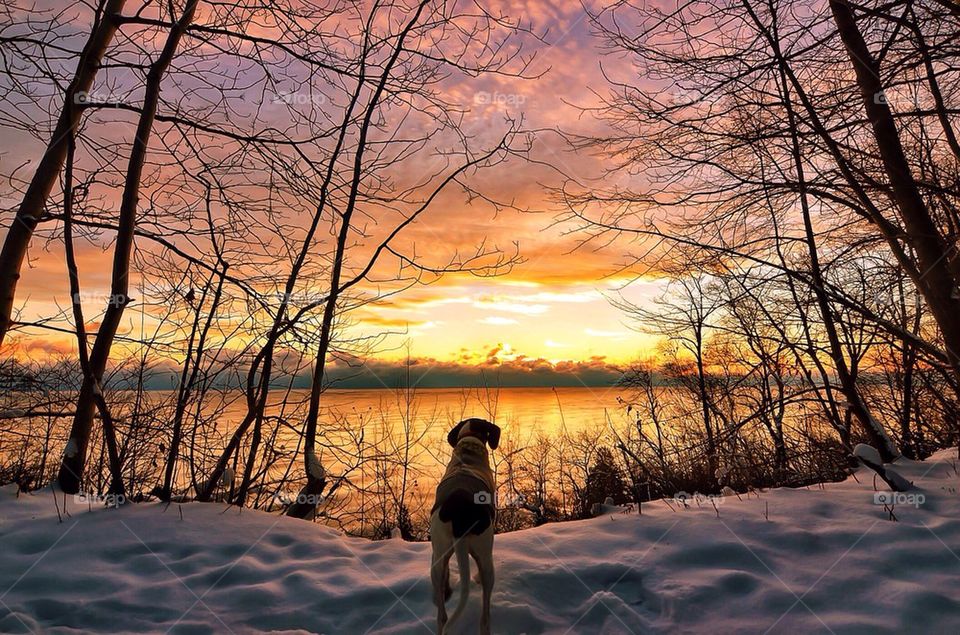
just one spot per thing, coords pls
(379, 416)
(519, 411)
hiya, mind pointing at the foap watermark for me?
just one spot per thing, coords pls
(902, 99)
(499, 99)
(298, 498)
(107, 500)
(886, 296)
(111, 299)
(96, 98)
(278, 299)
(298, 98)
(686, 499)
(512, 500)
(890, 499)
(297, 298)
(690, 96)
(483, 498)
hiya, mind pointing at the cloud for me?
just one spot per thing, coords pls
(512, 301)
(389, 322)
(54, 347)
(500, 353)
(496, 320)
(526, 284)
(609, 334)
(427, 372)
(556, 280)
(510, 305)
(575, 298)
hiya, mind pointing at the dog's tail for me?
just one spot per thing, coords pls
(463, 565)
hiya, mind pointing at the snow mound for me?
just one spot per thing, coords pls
(897, 480)
(819, 559)
(871, 458)
(867, 453)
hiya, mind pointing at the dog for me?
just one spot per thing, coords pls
(462, 520)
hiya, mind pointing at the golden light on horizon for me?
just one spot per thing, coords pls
(552, 306)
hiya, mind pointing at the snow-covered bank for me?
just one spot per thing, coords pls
(827, 560)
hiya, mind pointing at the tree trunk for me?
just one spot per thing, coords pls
(71, 469)
(256, 402)
(306, 504)
(51, 164)
(848, 385)
(856, 406)
(938, 260)
(705, 410)
(109, 429)
(187, 382)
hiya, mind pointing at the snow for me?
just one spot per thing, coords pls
(71, 450)
(897, 480)
(867, 454)
(870, 457)
(315, 466)
(829, 559)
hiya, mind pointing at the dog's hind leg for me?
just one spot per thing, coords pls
(442, 542)
(440, 577)
(483, 555)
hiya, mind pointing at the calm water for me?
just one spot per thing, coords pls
(522, 411)
(382, 416)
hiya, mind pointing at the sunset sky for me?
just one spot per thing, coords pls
(553, 309)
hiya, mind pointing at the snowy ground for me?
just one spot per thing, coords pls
(827, 560)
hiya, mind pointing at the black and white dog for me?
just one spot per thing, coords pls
(462, 520)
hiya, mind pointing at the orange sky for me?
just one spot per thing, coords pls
(551, 307)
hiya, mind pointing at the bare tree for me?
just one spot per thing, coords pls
(71, 469)
(752, 88)
(31, 208)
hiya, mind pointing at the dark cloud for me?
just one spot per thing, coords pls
(432, 373)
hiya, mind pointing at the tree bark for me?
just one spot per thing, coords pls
(21, 230)
(72, 466)
(109, 429)
(306, 504)
(938, 260)
(848, 385)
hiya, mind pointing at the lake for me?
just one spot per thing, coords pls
(359, 425)
(521, 411)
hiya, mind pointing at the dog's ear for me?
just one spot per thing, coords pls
(493, 434)
(453, 435)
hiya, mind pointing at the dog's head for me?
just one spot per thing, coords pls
(482, 429)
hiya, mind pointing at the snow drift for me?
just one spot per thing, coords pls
(820, 559)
